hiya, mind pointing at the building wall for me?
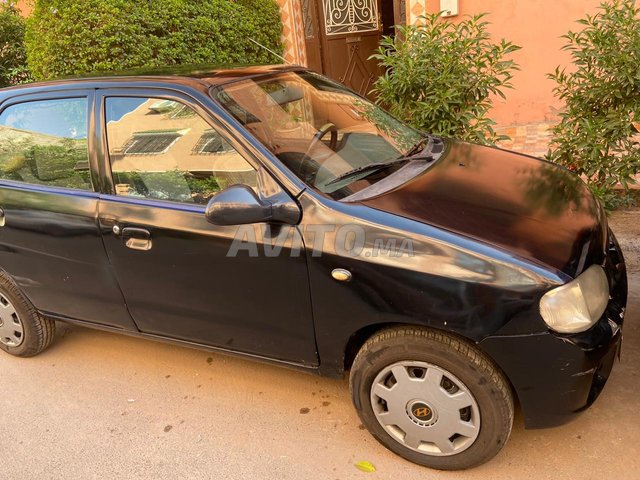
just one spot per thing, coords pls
(25, 6)
(535, 25)
(292, 32)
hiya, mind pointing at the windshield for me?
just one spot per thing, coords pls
(335, 141)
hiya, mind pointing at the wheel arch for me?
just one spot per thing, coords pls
(9, 277)
(359, 338)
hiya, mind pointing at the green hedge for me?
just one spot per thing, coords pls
(13, 59)
(70, 37)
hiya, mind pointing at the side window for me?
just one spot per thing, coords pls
(164, 150)
(45, 143)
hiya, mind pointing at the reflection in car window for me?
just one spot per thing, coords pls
(164, 150)
(318, 128)
(45, 143)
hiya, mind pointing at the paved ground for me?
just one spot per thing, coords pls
(98, 405)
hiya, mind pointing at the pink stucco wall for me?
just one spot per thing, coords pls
(537, 26)
(25, 6)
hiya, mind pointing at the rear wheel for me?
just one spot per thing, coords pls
(23, 331)
(432, 398)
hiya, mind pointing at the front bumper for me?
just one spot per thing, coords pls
(556, 376)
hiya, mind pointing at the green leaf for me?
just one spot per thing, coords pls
(365, 467)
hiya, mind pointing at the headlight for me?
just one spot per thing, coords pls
(577, 305)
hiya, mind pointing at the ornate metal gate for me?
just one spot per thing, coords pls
(351, 16)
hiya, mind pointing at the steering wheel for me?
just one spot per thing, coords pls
(320, 134)
(307, 160)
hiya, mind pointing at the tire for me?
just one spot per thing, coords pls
(451, 409)
(23, 331)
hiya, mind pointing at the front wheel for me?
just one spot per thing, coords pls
(431, 398)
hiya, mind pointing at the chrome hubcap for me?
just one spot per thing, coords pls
(11, 331)
(425, 408)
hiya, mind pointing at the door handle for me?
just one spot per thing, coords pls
(2, 218)
(137, 238)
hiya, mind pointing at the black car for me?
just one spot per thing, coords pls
(272, 213)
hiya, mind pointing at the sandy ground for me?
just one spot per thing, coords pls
(99, 405)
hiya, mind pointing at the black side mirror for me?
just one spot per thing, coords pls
(240, 205)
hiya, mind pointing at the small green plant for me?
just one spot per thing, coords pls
(596, 135)
(13, 57)
(66, 38)
(440, 76)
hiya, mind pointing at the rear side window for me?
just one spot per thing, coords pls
(45, 143)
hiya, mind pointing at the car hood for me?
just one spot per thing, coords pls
(532, 208)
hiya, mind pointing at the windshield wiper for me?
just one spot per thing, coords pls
(420, 151)
(366, 168)
(420, 147)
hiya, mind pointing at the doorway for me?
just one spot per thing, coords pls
(341, 35)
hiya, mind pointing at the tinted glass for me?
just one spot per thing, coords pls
(45, 143)
(164, 150)
(321, 130)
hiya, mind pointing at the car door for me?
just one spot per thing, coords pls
(181, 278)
(49, 239)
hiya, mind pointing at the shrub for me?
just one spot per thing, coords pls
(74, 37)
(440, 76)
(602, 100)
(13, 60)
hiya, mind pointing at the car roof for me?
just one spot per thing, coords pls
(207, 75)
